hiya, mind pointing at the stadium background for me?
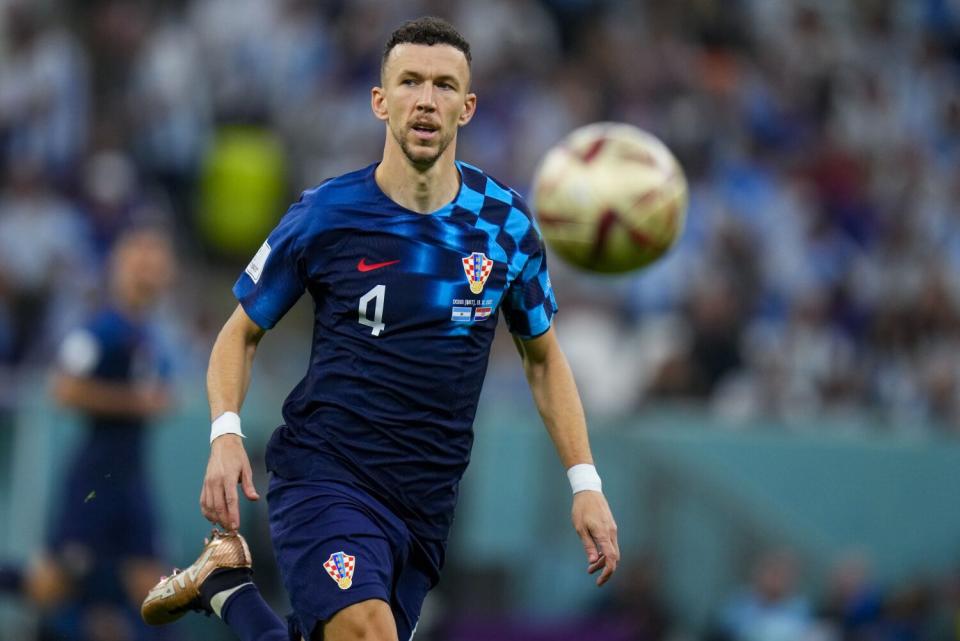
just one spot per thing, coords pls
(775, 406)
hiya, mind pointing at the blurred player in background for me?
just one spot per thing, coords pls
(102, 550)
(409, 262)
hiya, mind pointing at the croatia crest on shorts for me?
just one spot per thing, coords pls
(340, 567)
(477, 267)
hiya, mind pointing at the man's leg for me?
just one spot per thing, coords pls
(370, 620)
(249, 616)
(219, 582)
(43, 582)
(336, 548)
(139, 575)
(11, 578)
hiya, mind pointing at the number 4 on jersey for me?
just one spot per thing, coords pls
(376, 294)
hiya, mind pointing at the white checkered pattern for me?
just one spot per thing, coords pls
(349, 564)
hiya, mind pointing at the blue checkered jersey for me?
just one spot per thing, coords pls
(406, 305)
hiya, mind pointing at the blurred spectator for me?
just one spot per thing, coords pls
(908, 611)
(236, 38)
(712, 353)
(769, 608)
(110, 196)
(945, 621)
(43, 91)
(171, 110)
(852, 605)
(799, 371)
(637, 604)
(44, 254)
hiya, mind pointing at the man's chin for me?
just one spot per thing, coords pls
(422, 156)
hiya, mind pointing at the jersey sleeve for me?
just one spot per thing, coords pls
(529, 304)
(274, 280)
(80, 353)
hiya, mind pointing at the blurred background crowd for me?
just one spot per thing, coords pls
(818, 273)
(817, 283)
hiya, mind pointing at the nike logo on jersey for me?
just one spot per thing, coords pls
(364, 266)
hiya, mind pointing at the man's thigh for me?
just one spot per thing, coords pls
(370, 620)
(334, 556)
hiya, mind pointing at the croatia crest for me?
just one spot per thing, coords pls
(340, 567)
(477, 267)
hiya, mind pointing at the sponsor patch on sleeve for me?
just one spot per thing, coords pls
(79, 353)
(255, 268)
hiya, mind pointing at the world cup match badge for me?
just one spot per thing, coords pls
(477, 267)
(340, 567)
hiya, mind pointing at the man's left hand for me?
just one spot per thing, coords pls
(594, 523)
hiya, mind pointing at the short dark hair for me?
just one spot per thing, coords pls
(428, 30)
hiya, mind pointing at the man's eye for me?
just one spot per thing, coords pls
(409, 82)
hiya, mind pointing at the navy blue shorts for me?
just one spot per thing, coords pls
(336, 546)
(106, 516)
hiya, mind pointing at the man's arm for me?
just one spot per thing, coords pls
(555, 393)
(228, 377)
(110, 399)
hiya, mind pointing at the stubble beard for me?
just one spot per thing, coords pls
(419, 161)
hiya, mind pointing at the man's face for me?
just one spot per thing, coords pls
(424, 99)
(144, 265)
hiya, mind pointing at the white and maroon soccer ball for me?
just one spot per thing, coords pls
(610, 198)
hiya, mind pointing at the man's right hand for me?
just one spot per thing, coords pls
(228, 466)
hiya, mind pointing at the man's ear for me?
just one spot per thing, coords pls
(469, 108)
(378, 103)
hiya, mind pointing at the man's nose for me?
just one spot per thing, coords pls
(426, 99)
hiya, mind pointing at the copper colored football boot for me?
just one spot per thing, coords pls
(177, 594)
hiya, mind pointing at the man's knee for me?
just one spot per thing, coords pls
(369, 620)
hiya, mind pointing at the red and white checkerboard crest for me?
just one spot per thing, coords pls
(340, 567)
(477, 267)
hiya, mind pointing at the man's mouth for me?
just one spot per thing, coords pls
(425, 130)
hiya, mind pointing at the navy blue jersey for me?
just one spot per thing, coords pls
(405, 308)
(113, 348)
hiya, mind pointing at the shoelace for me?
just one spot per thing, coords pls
(176, 571)
(217, 534)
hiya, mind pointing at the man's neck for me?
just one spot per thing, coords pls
(421, 190)
(129, 303)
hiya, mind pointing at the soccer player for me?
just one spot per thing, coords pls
(409, 261)
(102, 553)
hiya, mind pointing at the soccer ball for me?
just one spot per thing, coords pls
(610, 198)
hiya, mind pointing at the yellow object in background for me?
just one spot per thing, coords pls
(242, 189)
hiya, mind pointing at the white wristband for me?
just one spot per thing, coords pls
(584, 477)
(226, 423)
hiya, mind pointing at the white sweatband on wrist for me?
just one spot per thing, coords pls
(584, 477)
(226, 423)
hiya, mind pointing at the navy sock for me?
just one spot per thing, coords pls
(11, 578)
(251, 619)
(223, 579)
